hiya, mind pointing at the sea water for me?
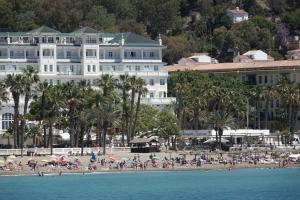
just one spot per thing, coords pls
(256, 184)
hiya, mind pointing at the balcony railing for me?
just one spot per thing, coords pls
(69, 73)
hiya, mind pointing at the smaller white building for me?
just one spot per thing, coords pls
(198, 58)
(237, 15)
(253, 56)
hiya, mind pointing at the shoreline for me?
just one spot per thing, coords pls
(103, 171)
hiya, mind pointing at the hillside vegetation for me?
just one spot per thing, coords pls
(186, 25)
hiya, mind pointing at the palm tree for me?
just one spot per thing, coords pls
(133, 85)
(15, 85)
(53, 110)
(42, 95)
(30, 77)
(110, 113)
(107, 84)
(124, 86)
(141, 89)
(289, 95)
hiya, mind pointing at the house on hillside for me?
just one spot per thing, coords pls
(237, 15)
(198, 58)
(253, 56)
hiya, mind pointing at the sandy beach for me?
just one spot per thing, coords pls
(110, 163)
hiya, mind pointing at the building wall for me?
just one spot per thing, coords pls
(63, 62)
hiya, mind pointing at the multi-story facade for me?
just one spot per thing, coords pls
(83, 54)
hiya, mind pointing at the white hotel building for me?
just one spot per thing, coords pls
(83, 54)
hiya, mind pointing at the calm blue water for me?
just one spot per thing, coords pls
(264, 184)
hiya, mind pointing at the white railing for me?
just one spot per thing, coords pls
(61, 151)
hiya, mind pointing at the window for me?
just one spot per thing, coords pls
(58, 82)
(2, 67)
(14, 67)
(50, 40)
(162, 81)
(260, 79)
(147, 68)
(137, 68)
(155, 68)
(113, 68)
(110, 54)
(72, 68)
(45, 68)
(90, 53)
(89, 68)
(132, 54)
(165, 94)
(151, 54)
(100, 68)
(50, 81)
(160, 94)
(68, 54)
(47, 52)
(94, 68)
(266, 79)
(7, 120)
(128, 67)
(151, 94)
(151, 82)
(51, 68)
(57, 68)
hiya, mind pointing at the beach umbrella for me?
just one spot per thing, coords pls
(11, 157)
(155, 157)
(113, 158)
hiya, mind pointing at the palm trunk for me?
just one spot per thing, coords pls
(258, 115)
(51, 138)
(124, 111)
(131, 113)
(266, 114)
(99, 130)
(45, 136)
(72, 124)
(290, 117)
(34, 139)
(16, 120)
(196, 118)
(23, 121)
(82, 129)
(136, 112)
(104, 140)
(126, 126)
